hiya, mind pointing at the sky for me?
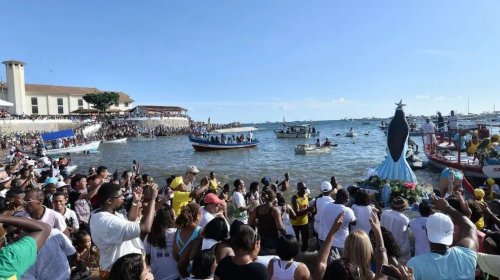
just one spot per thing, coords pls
(257, 61)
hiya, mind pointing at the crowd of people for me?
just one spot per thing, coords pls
(57, 225)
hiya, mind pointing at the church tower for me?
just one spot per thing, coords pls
(15, 85)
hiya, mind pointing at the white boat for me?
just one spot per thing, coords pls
(83, 148)
(217, 141)
(71, 169)
(111, 141)
(293, 131)
(306, 149)
(351, 134)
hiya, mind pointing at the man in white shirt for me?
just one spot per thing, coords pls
(112, 233)
(328, 216)
(397, 223)
(34, 209)
(59, 201)
(429, 130)
(239, 201)
(418, 226)
(326, 197)
(212, 208)
(52, 260)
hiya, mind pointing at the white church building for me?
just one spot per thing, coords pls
(32, 99)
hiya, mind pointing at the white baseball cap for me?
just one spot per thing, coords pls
(326, 186)
(440, 229)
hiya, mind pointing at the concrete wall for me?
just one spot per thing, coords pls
(10, 126)
(153, 122)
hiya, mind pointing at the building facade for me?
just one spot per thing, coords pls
(31, 99)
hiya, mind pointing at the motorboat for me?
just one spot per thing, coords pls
(70, 168)
(224, 139)
(294, 131)
(58, 149)
(113, 141)
(82, 148)
(307, 149)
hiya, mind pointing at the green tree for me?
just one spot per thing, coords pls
(101, 100)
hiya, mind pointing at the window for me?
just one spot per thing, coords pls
(126, 104)
(116, 104)
(80, 104)
(60, 106)
(34, 105)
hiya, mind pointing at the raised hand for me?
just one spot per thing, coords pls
(137, 195)
(374, 222)
(439, 203)
(151, 192)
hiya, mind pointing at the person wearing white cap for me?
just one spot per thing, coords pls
(185, 183)
(325, 198)
(445, 261)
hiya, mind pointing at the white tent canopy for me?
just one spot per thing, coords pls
(5, 103)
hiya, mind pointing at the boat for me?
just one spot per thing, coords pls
(70, 168)
(307, 149)
(224, 139)
(293, 131)
(71, 149)
(413, 159)
(469, 165)
(112, 141)
(83, 148)
(351, 133)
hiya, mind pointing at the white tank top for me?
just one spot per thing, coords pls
(283, 270)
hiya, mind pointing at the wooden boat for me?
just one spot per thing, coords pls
(471, 166)
(306, 149)
(113, 141)
(221, 139)
(293, 131)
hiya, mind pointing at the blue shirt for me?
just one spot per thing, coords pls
(456, 263)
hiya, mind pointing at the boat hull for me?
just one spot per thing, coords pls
(201, 145)
(92, 146)
(292, 135)
(121, 140)
(470, 170)
(311, 150)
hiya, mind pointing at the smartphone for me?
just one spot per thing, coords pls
(150, 179)
(389, 272)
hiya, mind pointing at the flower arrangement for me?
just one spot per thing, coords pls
(408, 190)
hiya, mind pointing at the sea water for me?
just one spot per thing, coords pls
(273, 157)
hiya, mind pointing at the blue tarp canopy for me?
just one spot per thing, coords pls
(57, 134)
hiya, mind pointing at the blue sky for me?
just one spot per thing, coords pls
(254, 61)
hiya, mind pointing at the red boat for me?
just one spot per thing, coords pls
(469, 165)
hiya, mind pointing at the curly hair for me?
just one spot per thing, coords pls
(188, 214)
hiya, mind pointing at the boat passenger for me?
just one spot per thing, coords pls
(472, 146)
(327, 143)
(318, 144)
